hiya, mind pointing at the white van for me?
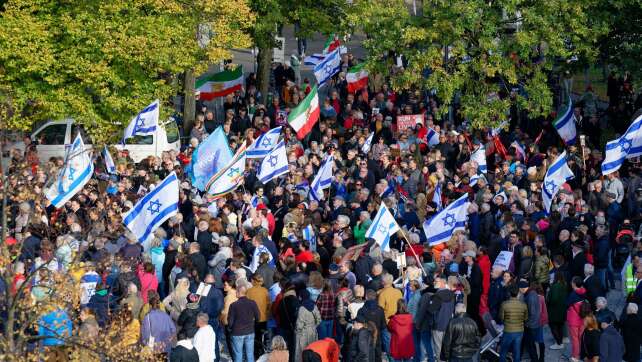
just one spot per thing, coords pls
(52, 137)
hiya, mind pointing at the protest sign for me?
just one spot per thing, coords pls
(503, 260)
(409, 121)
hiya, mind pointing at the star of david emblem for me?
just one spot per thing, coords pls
(550, 187)
(383, 229)
(273, 160)
(625, 144)
(233, 171)
(71, 176)
(154, 207)
(266, 142)
(328, 68)
(140, 122)
(449, 220)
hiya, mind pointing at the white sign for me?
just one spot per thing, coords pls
(503, 260)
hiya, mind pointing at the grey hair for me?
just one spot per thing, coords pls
(631, 308)
(365, 213)
(203, 317)
(387, 279)
(224, 241)
(75, 228)
(601, 302)
(278, 344)
(588, 269)
(460, 308)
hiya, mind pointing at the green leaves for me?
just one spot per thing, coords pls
(101, 62)
(479, 50)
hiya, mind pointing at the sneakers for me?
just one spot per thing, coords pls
(556, 346)
(565, 340)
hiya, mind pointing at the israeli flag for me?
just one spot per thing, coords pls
(441, 226)
(367, 144)
(322, 180)
(264, 143)
(436, 196)
(383, 226)
(432, 137)
(313, 59)
(565, 124)
(558, 173)
(72, 178)
(209, 158)
(627, 146)
(328, 67)
(274, 164)
(310, 236)
(153, 209)
(474, 179)
(230, 177)
(109, 162)
(479, 156)
(145, 122)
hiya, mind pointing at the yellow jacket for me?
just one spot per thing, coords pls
(261, 297)
(388, 298)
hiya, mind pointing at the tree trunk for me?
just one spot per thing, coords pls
(6, 274)
(263, 74)
(189, 105)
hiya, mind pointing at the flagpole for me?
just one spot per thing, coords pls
(403, 233)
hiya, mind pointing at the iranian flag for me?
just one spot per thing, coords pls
(331, 44)
(305, 115)
(220, 84)
(357, 78)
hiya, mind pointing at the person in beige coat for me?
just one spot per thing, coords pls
(176, 301)
(307, 322)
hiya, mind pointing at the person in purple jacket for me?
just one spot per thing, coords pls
(158, 330)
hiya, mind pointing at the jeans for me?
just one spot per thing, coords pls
(530, 338)
(423, 338)
(511, 340)
(454, 359)
(240, 342)
(437, 338)
(325, 329)
(385, 339)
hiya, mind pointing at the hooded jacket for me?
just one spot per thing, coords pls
(442, 307)
(574, 303)
(401, 340)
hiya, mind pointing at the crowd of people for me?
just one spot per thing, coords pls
(237, 277)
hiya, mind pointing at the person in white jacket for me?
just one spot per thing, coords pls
(204, 339)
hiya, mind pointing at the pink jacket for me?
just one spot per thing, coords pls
(148, 281)
(575, 300)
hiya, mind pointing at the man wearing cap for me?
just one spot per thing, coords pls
(471, 271)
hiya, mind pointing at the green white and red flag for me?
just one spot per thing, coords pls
(357, 78)
(220, 84)
(306, 114)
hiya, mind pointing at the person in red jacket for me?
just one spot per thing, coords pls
(484, 266)
(402, 345)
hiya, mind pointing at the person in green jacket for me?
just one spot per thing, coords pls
(556, 306)
(359, 231)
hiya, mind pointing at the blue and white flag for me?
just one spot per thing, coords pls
(229, 177)
(328, 67)
(72, 178)
(209, 158)
(264, 143)
(432, 137)
(474, 179)
(565, 124)
(383, 226)
(367, 144)
(558, 173)
(313, 59)
(436, 196)
(479, 156)
(145, 122)
(322, 180)
(627, 146)
(497, 130)
(274, 164)
(310, 236)
(441, 226)
(109, 162)
(153, 209)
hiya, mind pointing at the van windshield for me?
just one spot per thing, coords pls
(140, 140)
(171, 129)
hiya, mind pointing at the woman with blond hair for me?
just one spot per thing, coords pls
(176, 301)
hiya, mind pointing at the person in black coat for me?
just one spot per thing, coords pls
(373, 313)
(184, 350)
(102, 304)
(576, 265)
(198, 260)
(187, 319)
(631, 325)
(471, 271)
(288, 312)
(363, 337)
(592, 285)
